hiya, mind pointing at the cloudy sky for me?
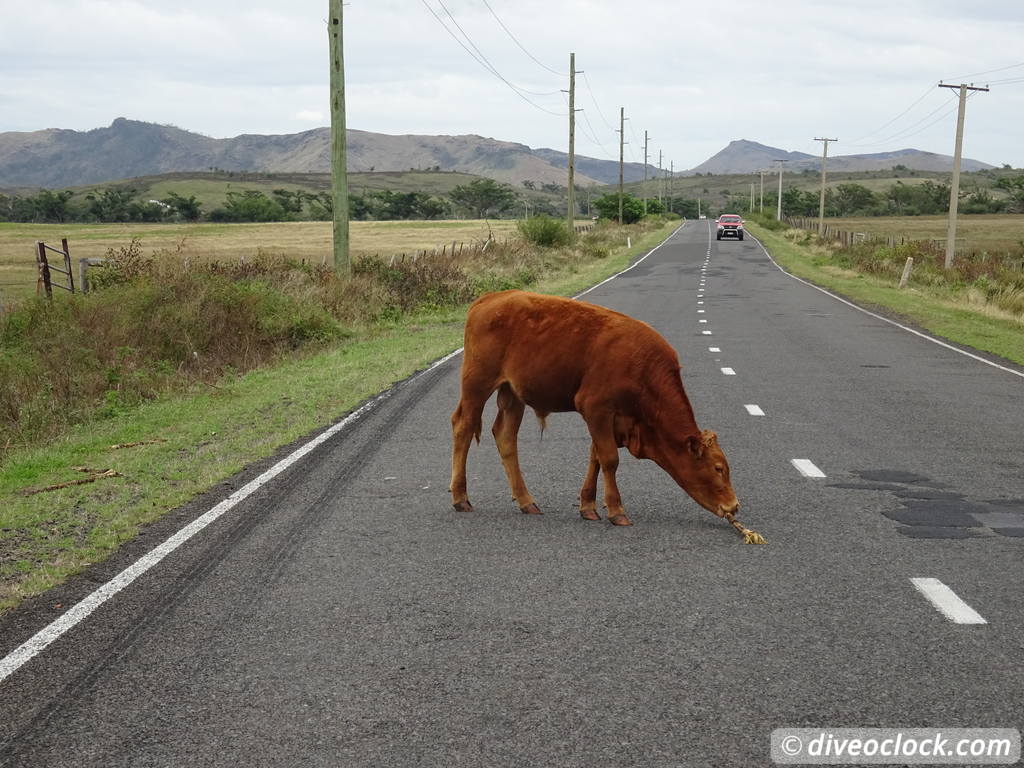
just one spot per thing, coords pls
(694, 75)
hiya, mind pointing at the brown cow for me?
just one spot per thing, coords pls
(556, 354)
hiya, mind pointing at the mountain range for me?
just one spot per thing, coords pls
(59, 158)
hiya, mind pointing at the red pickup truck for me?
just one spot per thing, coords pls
(729, 225)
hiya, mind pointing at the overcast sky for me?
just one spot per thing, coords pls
(694, 75)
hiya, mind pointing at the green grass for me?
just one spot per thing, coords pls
(940, 310)
(209, 434)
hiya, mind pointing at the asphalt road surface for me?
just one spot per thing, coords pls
(344, 614)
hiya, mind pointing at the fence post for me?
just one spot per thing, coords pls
(83, 275)
(906, 271)
(67, 263)
(44, 271)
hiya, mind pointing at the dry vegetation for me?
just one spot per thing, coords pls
(160, 321)
(298, 241)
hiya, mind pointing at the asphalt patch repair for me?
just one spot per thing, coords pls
(927, 511)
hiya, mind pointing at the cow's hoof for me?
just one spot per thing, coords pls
(620, 520)
(531, 509)
(463, 506)
(589, 514)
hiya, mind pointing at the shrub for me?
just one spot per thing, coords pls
(544, 231)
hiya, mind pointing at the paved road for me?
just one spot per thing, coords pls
(345, 615)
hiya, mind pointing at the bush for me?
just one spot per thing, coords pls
(544, 231)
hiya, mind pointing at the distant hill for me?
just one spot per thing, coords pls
(743, 156)
(130, 148)
(59, 158)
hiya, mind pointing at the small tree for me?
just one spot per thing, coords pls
(607, 207)
(186, 208)
(483, 197)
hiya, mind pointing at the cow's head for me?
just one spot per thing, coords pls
(697, 464)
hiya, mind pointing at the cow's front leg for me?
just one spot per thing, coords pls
(603, 436)
(588, 494)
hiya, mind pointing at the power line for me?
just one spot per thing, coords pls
(930, 90)
(482, 61)
(909, 130)
(961, 78)
(514, 40)
(485, 59)
(593, 98)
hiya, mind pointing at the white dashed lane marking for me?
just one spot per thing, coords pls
(754, 410)
(728, 371)
(714, 349)
(806, 468)
(947, 602)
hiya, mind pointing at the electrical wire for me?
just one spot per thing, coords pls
(485, 59)
(961, 78)
(903, 134)
(486, 64)
(593, 98)
(521, 47)
(855, 142)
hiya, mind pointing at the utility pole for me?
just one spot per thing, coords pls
(671, 183)
(954, 190)
(645, 173)
(778, 209)
(572, 145)
(761, 210)
(622, 150)
(339, 170)
(751, 197)
(821, 201)
(661, 180)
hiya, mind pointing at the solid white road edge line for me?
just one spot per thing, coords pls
(806, 468)
(886, 319)
(17, 658)
(947, 601)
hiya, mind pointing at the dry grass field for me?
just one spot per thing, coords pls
(1002, 233)
(299, 240)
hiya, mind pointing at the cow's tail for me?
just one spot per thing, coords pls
(542, 419)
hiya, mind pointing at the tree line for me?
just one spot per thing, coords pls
(899, 199)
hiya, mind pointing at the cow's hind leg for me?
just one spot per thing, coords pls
(588, 494)
(506, 435)
(467, 421)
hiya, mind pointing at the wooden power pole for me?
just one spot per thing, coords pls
(571, 217)
(644, 188)
(622, 154)
(778, 205)
(821, 201)
(339, 170)
(954, 189)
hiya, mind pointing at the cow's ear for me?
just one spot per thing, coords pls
(695, 446)
(635, 442)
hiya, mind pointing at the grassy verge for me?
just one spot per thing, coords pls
(953, 311)
(47, 537)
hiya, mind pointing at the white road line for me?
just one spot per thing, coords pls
(714, 349)
(706, 333)
(754, 410)
(947, 601)
(875, 315)
(700, 311)
(728, 371)
(806, 468)
(702, 320)
(25, 652)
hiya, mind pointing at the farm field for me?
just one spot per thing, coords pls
(309, 240)
(1001, 233)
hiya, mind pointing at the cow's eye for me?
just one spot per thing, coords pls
(719, 468)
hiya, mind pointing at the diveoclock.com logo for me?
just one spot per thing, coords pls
(884, 746)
